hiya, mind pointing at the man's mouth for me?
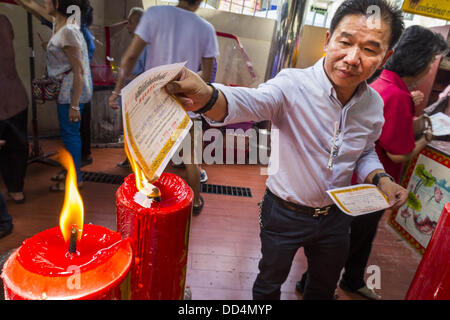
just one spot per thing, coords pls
(345, 73)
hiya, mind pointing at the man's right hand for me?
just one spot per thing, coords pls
(190, 89)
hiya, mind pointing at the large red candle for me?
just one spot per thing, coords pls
(159, 237)
(42, 268)
(432, 278)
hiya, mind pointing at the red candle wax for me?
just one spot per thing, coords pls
(42, 268)
(159, 237)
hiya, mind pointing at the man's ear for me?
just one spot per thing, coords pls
(386, 58)
(327, 41)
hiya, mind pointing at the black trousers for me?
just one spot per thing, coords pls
(85, 132)
(14, 154)
(362, 233)
(325, 240)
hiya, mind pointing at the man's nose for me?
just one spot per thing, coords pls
(353, 56)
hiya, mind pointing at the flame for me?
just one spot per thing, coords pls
(72, 213)
(142, 183)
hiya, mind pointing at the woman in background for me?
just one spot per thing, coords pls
(67, 59)
(13, 117)
(86, 20)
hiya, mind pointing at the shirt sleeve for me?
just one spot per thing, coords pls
(368, 160)
(397, 136)
(144, 27)
(212, 45)
(255, 104)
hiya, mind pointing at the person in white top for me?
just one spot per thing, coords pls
(173, 34)
(328, 120)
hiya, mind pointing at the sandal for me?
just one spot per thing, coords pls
(198, 208)
(61, 186)
(60, 176)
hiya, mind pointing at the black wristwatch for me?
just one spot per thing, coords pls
(378, 176)
(208, 106)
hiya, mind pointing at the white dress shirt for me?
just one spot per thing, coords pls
(302, 104)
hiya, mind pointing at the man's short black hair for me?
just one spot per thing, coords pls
(415, 50)
(390, 14)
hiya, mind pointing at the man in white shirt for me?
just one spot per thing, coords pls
(328, 120)
(174, 34)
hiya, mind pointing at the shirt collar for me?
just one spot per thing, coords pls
(322, 77)
(326, 84)
(395, 79)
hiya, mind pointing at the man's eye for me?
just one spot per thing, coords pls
(345, 43)
(370, 51)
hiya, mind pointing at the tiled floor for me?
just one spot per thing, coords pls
(224, 246)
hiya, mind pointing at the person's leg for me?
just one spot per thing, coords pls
(326, 255)
(5, 218)
(193, 169)
(70, 135)
(14, 155)
(277, 249)
(282, 232)
(362, 233)
(85, 132)
(193, 179)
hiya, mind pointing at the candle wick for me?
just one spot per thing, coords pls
(73, 240)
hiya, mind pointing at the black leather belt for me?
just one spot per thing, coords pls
(315, 212)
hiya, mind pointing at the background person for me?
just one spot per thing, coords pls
(413, 57)
(13, 117)
(174, 34)
(67, 59)
(40, 13)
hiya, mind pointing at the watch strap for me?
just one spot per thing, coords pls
(378, 176)
(208, 106)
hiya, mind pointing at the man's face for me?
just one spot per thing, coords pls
(355, 50)
(133, 22)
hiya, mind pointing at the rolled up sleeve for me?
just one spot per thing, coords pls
(369, 161)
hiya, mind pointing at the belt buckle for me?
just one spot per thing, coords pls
(318, 211)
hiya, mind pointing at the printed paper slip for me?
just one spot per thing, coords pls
(359, 199)
(441, 124)
(154, 123)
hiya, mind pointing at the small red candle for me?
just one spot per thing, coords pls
(159, 237)
(42, 268)
(73, 261)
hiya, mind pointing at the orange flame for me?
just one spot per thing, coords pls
(141, 180)
(72, 213)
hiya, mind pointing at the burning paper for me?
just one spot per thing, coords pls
(155, 124)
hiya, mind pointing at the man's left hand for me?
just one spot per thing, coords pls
(396, 194)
